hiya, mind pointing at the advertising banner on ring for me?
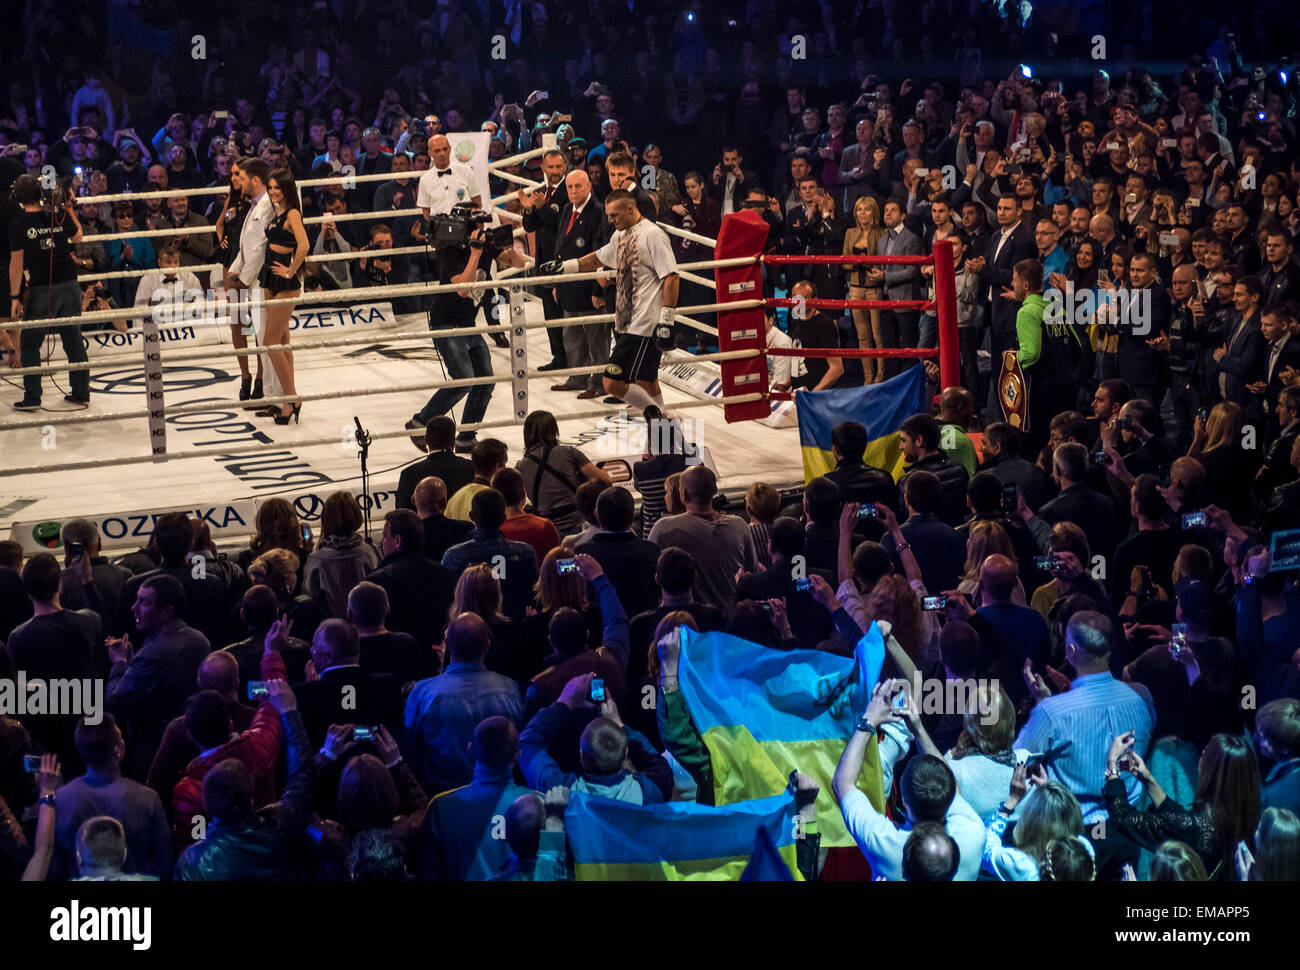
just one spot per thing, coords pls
(307, 322)
(230, 522)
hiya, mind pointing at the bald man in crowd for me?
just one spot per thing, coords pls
(440, 532)
(581, 223)
(1019, 633)
(218, 672)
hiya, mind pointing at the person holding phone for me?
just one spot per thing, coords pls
(1225, 812)
(606, 742)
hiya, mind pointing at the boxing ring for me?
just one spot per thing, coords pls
(164, 430)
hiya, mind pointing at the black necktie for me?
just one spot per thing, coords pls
(443, 171)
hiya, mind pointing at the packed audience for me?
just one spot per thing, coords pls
(326, 708)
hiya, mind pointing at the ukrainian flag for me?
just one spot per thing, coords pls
(676, 841)
(880, 408)
(763, 713)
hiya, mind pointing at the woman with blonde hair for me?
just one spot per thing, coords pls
(987, 537)
(478, 591)
(1051, 814)
(983, 760)
(866, 282)
(278, 569)
(1229, 468)
(1176, 862)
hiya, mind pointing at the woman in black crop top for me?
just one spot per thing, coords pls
(286, 250)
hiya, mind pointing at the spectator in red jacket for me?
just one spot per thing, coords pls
(207, 718)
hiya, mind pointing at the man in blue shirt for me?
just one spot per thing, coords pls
(515, 563)
(1047, 234)
(1021, 633)
(442, 712)
(1096, 709)
(460, 840)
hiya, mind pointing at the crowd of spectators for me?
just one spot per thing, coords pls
(1104, 575)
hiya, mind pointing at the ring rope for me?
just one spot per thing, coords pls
(330, 439)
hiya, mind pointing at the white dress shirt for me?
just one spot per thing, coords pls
(252, 241)
(438, 193)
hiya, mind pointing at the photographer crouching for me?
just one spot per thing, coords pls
(41, 238)
(464, 248)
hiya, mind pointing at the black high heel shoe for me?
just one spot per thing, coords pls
(257, 389)
(256, 395)
(244, 386)
(282, 418)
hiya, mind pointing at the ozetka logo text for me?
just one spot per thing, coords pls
(102, 924)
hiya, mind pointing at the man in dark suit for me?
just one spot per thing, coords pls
(343, 692)
(208, 599)
(439, 441)
(1138, 363)
(940, 550)
(809, 621)
(1089, 509)
(542, 218)
(814, 228)
(577, 234)
(1014, 242)
(627, 559)
(731, 181)
(419, 589)
(1277, 469)
(371, 160)
(1243, 357)
(1282, 353)
(1280, 277)
(440, 531)
(902, 328)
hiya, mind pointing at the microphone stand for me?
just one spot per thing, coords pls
(363, 443)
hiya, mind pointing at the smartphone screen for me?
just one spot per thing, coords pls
(597, 690)
(257, 690)
(1194, 520)
(1103, 276)
(802, 585)
(363, 733)
(1010, 498)
(566, 566)
(932, 603)
(31, 763)
(867, 511)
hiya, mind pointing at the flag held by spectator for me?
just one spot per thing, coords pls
(763, 713)
(880, 408)
(679, 841)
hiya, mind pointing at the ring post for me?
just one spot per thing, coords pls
(742, 234)
(945, 308)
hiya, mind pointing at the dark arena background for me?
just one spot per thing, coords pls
(602, 440)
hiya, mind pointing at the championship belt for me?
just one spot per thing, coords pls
(1013, 392)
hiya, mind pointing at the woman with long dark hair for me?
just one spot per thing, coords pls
(1225, 811)
(286, 251)
(552, 472)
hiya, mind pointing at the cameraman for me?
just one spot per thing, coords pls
(41, 241)
(463, 356)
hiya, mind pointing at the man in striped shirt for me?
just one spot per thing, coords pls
(1096, 709)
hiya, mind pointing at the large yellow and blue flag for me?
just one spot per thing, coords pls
(763, 713)
(676, 841)
(880, 408)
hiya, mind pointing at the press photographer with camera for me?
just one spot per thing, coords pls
(463, 246)
(40, 243)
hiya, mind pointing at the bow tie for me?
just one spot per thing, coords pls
(443, 171)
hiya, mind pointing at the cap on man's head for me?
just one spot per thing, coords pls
(1196, 601)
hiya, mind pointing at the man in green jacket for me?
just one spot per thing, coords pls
(1048, 351)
